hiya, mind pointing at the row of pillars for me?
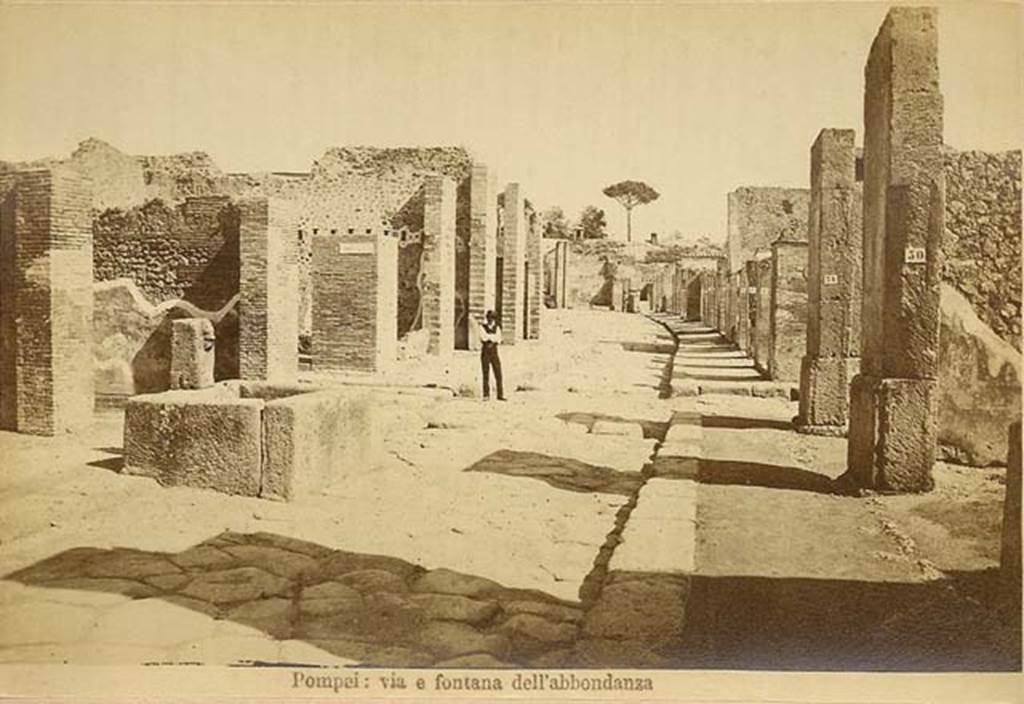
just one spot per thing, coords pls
(873, 260)
(46, 299)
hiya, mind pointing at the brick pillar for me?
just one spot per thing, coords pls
(437, 268)
(192, 353)
(483, 248)
(788, 315)
(892, 435)
(46, 301)
(535, 278)
(833, 286)
(513, 256)
(268, 313)
(355, 302)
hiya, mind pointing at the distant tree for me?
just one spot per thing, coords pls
(554, 224)
(592, 223)
(631, 194)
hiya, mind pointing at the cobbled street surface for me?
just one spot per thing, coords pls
(618, 510)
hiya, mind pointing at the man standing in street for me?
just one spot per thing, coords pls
(490, 337)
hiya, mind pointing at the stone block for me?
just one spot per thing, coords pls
(1010, 555)
(208, 439)
(192, 353)
(311, 439)
(893, 433)
(825, 394)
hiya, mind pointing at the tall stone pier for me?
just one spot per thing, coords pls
(483, 250)
(833, 286)
(788, 315)
(513, 264)
(437, 268)
(46, 302)
(268, 306)
(892, 436)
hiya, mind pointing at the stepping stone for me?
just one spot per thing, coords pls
(451, 607)
(445, 581)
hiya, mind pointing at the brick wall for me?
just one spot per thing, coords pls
(513, 256)
(352, 282)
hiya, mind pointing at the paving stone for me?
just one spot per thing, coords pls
(329, 598)
(532, 634)
(125, 587)
(451, 607)
(238, 584)
(380, 617)
(339, 563)
(129, 564)
(273, 616)
(374, 581)
(354, 650)
(447, 639)
(445, 581)
(284, 542)
(552, 612)
(476, 661)
(168, 582)
(202, 557)
(283, 563)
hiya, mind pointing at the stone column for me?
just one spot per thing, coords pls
(483, 227)
(788, 316)
(46, 303)
(192, 353)
(355, 302)
(892, 435)
(513, 257)
(833, 286)
(268, 306)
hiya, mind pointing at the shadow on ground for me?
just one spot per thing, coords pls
(652, 429)
(114, 463)
(559, 472)
(968, 622)
(372, 609)
(770, 476)
(740, 423)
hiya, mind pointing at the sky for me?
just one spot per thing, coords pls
(565, 98)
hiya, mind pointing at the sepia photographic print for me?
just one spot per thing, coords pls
(540, 351)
